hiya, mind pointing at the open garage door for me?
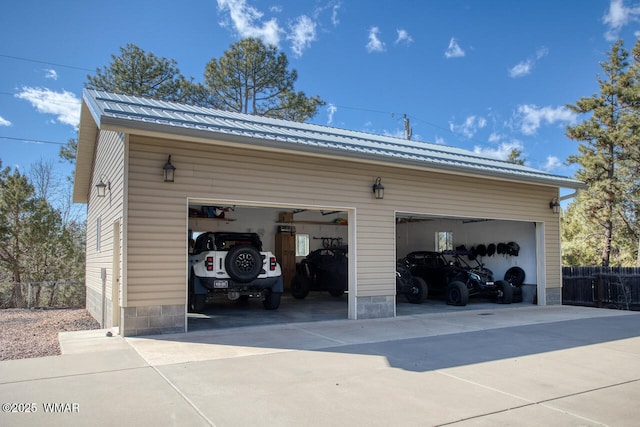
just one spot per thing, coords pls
(310, 247)
(480, 253)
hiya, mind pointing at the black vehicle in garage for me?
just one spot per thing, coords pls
(414, 288)
(325, 269)
(447, 274)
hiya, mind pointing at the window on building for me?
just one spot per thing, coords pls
(444, 241)
(302, 244)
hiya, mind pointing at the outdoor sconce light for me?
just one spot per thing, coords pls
(102, 188)
(169, 170)
(554, 205)
(378, 188)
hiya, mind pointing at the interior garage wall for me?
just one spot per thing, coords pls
(420, 236)
(265, 221)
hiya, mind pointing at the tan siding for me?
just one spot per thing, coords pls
(157, 211)
(108, 167)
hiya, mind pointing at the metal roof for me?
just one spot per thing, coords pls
(115, 111)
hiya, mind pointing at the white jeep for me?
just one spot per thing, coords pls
(233, 264)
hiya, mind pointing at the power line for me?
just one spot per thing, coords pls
(39, 141)
(45, 62)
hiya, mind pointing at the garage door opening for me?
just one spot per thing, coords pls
(480, 254)
(310, 247)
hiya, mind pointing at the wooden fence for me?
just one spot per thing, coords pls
(607, 287)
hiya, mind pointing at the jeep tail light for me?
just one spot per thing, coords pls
(272, 263)
(209, 263)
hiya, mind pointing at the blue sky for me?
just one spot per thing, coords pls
(487, 75)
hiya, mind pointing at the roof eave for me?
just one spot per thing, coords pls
(87, 135)
(210, 136)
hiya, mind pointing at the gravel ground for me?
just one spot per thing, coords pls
(28, 333)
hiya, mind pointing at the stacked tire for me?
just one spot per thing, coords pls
(515, 276)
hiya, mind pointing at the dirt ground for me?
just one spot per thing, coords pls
(28, 333)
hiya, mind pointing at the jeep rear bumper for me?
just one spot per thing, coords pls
(203, 285)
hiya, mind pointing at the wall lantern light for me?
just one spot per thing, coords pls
(554, 205)
(378, 189)
(102, 188)
(169, 170)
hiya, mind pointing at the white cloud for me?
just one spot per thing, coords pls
(331, 110)
(470, 126)
(403, 36)
(440, 140)
(542, 52)
(501, 152)
(618, 16)
(4, 122)
(334, 15)
(64, 105)
(495, 137)
(531, 117)
(454, 50)
(524, 68)
(521, 69)
(247, 21)
(50, 73)
(398, 133)
(552, 163)
(374, 45)
(303, 32)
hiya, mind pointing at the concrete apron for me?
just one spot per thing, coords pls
(521, 366)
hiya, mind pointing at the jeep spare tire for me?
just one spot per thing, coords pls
(243, 263)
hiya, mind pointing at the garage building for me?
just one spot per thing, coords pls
(259, 168)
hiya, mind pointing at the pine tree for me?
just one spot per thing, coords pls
(609, 139)
(253, 78)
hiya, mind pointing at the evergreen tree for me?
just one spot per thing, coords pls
(35, 244)
(253, 78)
(135, 72)
(606, 155)
(514, 157)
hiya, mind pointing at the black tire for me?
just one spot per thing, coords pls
(243, 263)
(457, 293)
(196, 302)
(199, 303)
(505, 292)
(418, 292)
(272, 300)
(515, 276)
(517, 294)
(299, 287)
(336, 293)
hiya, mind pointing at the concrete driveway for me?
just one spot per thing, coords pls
(516, 366)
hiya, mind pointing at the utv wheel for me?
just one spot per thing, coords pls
(336, 293)
(418, 291)
(457, 293)
(505, 292)
(299, 287)
(243, 263)
(272, 300)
